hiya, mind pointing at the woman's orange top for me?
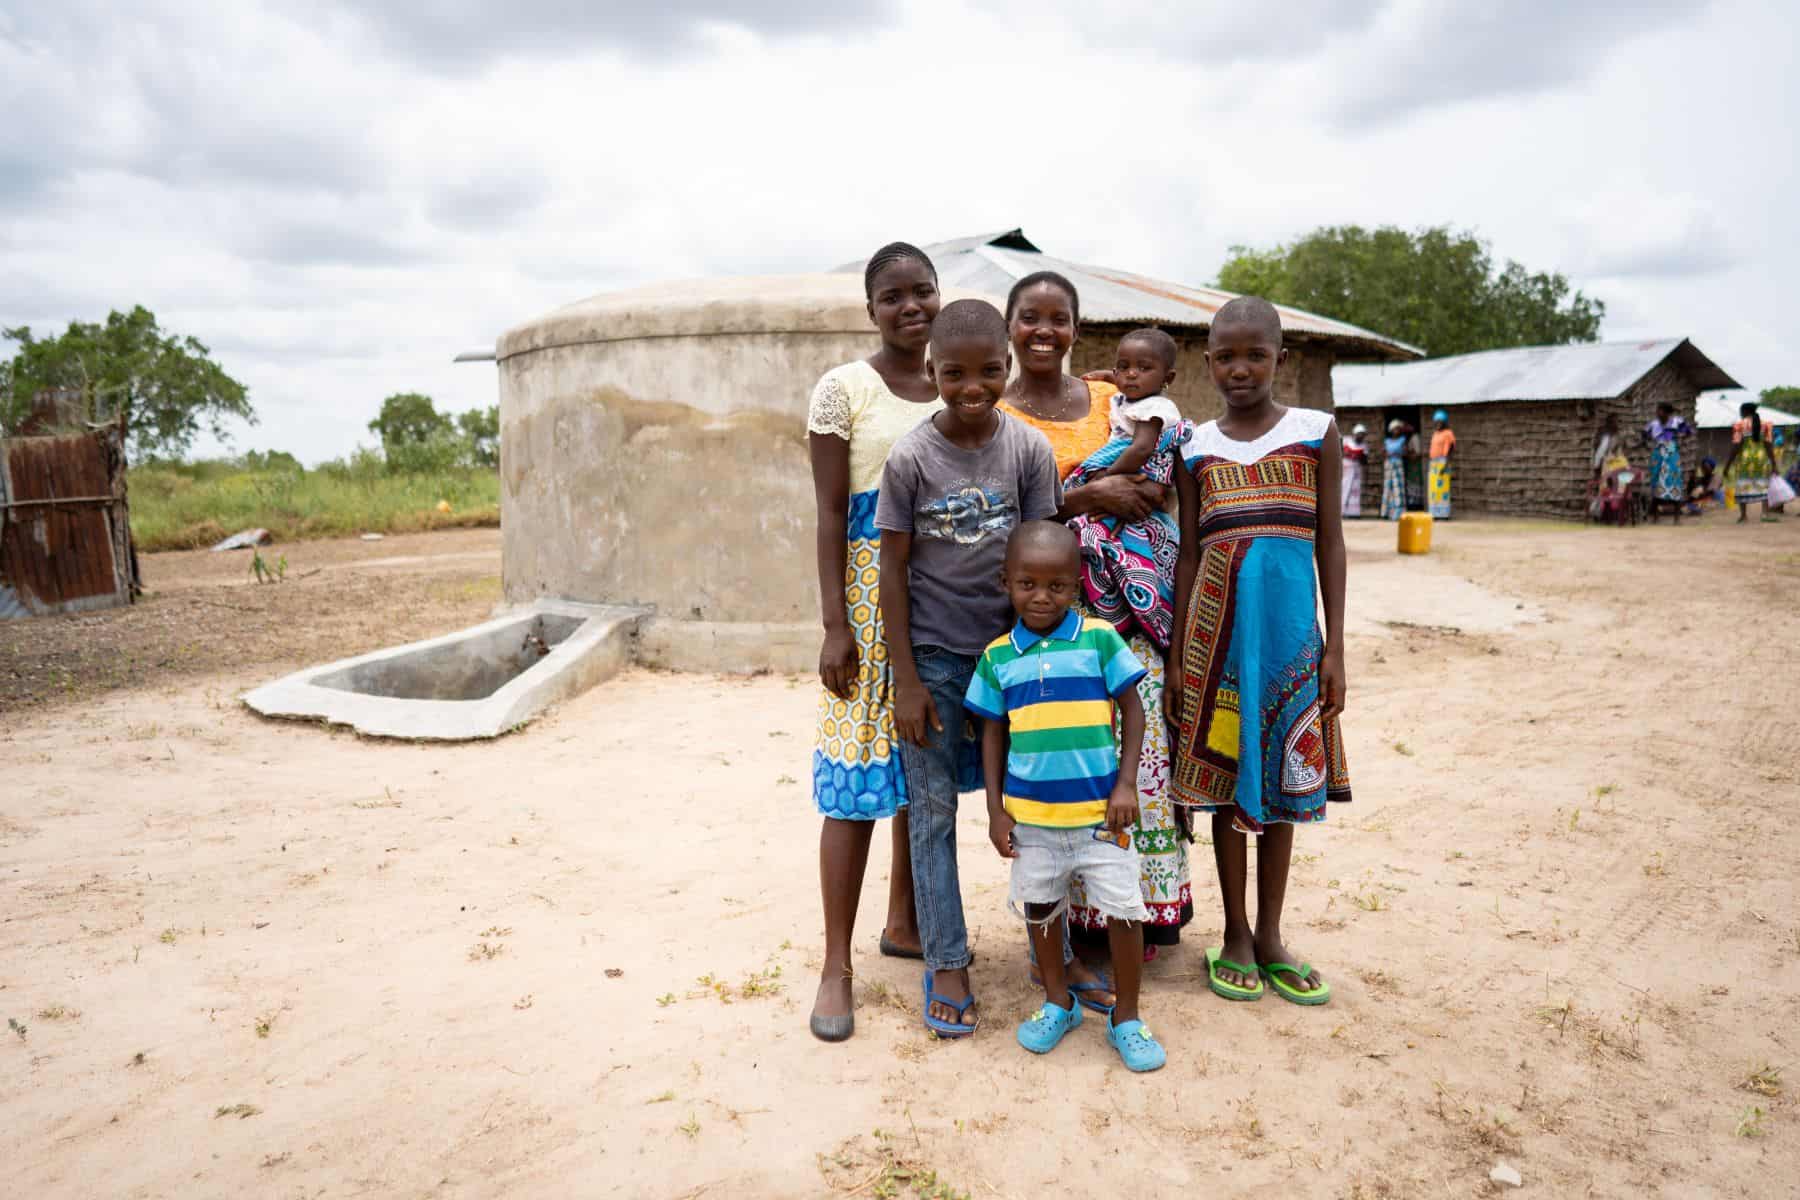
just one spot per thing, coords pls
(1072, 441)
(1442, 442)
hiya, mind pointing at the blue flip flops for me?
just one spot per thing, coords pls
(948, 1029)
(1043, 1030)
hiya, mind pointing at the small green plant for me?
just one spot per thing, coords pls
(241, 1111)
(662, 1099)
(1574, 820)
(1403, 749)
(1750, 1122)
(666, 999)
(12, 1023)
(691, 1126)
(264, 1024)
(57, 1012)
(264, 571)
(1655, 866)
(1369, 902)
(486, 951)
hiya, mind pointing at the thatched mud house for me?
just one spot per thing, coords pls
(1526, 420)
(1115, 302)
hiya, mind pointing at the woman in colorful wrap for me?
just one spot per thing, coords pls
(1356, 454)
(857, 412)
(1750, 463)
(1043, 315)
(1443, 451)
(1668, 486)
(1393, 471)
(1260, 691)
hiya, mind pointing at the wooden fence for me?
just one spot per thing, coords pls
(65, 529)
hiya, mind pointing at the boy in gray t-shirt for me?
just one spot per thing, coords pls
(952, 491)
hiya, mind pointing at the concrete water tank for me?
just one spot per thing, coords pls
(653, 452)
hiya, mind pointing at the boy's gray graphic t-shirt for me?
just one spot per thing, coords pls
(960, 506)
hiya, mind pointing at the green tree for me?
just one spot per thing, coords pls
(168, 386)
(1785, 398)
(482, 427)
(1436, 288)
(409, 419)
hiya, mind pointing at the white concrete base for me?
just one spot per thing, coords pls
(596, 649)
(729, 647)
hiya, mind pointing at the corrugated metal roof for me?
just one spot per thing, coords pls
(993, 262)
(1718, 410)
(1585, 371)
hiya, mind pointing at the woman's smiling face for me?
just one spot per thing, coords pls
(903, 302)
(1042, 328)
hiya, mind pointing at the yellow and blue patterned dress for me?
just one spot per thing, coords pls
(1252, 738)
(856, 773)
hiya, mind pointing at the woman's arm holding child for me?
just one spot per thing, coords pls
(993, 765)
(1329, 550)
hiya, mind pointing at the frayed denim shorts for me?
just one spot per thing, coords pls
(1050, 859)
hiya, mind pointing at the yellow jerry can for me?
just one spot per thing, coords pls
(1415, 533)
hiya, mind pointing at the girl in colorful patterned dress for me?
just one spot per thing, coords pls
(857, 412)
(1750, 463)
(1260, 692)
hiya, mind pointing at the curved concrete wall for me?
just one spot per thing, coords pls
(653, 446)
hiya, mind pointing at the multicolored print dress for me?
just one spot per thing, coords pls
(1252, 739)
(856, 773)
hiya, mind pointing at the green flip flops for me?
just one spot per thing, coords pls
(1231, 991)
(1275, 973)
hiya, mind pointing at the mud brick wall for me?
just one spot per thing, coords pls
(1532, 458)
(1304, 380)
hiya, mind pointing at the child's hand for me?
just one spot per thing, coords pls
(913, 712)
(1332, 685)
(1000, 832)
(1101, 376)
(1122, 807)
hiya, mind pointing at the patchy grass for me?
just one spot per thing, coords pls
(57, 1012)
(1764, 1081)
(193, 505)
(241, 1111)
(884, 1170)
(1750, 1122)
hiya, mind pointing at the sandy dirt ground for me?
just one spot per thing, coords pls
(244, 958)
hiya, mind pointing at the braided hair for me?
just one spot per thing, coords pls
(1748, 409)
(889, 254)
(1049, 277)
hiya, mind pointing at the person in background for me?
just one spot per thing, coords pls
(1443, 449)
(1393, 471)
(1703, 486)
(1665, 434)
(1786, 469)
(1750, 463)
(1415, 471)
(1356, 454)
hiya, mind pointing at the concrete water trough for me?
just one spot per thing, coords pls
(477, 683)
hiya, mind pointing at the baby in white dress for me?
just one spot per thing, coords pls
(1140, 412)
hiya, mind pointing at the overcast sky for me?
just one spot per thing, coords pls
(339, 198)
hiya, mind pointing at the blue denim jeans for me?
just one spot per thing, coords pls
(931, 783)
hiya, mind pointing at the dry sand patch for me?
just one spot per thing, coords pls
(1561, 919)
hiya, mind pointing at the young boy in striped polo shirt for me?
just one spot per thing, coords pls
(1060, 803)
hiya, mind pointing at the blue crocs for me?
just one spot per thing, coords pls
(1043, 1029)
(1137, 1046)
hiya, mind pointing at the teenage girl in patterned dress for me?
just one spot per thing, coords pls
(857, 412)
(1259, 692)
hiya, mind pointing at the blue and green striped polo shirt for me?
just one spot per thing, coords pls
(1056, 691)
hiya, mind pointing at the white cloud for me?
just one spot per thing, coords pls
(339, 204)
